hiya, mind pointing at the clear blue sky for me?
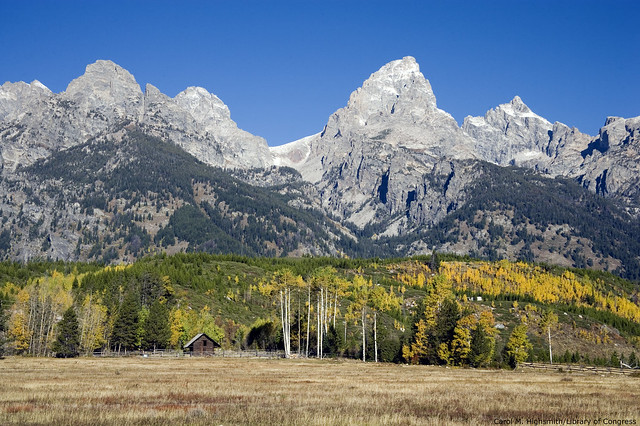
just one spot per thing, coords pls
(283, 67)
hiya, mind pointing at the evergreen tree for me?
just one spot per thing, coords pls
(333, 343)
(614, 361)
(434, 262)
(444, 332)
(482, 347)
(67, 343)
(125, 328)
(156, 327)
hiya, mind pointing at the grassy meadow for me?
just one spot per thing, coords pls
(161, 391)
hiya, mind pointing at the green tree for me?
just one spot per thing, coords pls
(444, 332)
(434, 262)
(518, 347)
(156, 328)
(67, 344)
(125, 327)
(614, 361)
(482, 347)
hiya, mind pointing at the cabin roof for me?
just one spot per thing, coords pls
(199, 336)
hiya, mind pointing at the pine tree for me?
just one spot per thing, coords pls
(614, 361)
(444, 332)
(125, 327)
(67, 344)
(156, 328)
(482, 347)
(434, 263)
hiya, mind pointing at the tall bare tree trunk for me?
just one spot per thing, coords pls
(364, 341)
(308, 320)
(335, 307)
(550, 354)
(319, 331)
(299, 325)
(375, 335)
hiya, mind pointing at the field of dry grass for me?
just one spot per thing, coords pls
(146, 391)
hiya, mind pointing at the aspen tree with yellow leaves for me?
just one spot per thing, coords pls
(381, 301)
(92, 319)
(548, 321)
(518, 347)
(281, 285)
(360, 292)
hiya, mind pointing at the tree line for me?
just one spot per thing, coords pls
(398, 310)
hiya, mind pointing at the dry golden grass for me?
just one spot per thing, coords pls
(135, 391)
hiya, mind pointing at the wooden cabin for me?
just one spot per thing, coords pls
(201, 345)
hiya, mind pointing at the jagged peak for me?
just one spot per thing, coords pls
(100, 72)
(196, 92)
(518, 105)
(150, 89)
(612, 119)
(39, 85)
(105, 66)
(199, 98)
(21, 85)
(398, 76)
(517, 108)
(397, 87)
(406, 66)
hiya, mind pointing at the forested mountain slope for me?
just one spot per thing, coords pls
(125, 194)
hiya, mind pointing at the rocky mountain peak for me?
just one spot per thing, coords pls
(398, 89)
(204, 106)
(396, 73)
(103, 74)
(510, 133)
(108, 88)
(516, 109)
(519, 106)
(610, 120)
(17, 98)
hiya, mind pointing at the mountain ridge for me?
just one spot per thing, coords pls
(385, 176)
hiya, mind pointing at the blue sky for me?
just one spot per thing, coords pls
(283, 67)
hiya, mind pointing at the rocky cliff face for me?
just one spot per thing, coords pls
(510, 134)
(34, 122)
(390, 173)
(611, 165)
(374, 158)
(607, 164)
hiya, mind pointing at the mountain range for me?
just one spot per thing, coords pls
(104, 171)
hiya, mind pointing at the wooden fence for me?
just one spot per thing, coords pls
(171, 353)
(576, 368)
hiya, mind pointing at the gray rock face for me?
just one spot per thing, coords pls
(201, 124)
(391, 156)
(370, 160)
(510, 134)
(34, 121)
(606, 164)
(611, 164)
